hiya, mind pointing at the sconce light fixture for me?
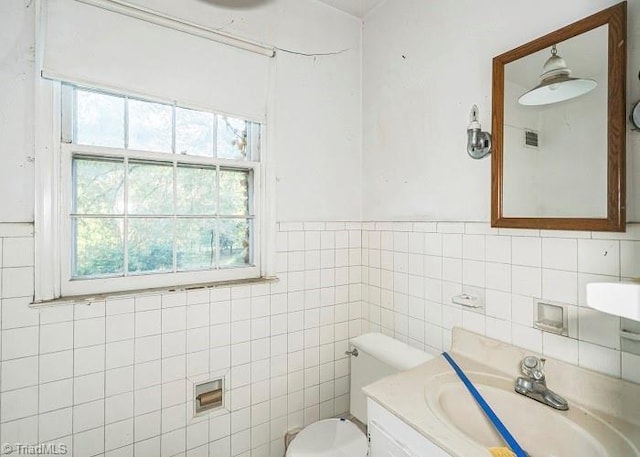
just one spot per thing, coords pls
(478, 142)
(556, 84)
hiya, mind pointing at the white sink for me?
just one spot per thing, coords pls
(617, 298)
(541, 430)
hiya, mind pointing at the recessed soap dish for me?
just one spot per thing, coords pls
(553, 318)
(467, 300)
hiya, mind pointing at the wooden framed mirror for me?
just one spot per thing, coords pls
(561, 164)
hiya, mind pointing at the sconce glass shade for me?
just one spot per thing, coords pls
(556, 84)
(478, 142)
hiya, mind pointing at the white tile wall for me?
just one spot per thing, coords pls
(511, 270)
(116, 378)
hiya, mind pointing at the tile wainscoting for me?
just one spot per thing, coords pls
(116, 378)
(411, 271)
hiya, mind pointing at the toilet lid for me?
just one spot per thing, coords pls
(329, 438)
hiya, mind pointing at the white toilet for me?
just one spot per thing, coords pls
(378, 356)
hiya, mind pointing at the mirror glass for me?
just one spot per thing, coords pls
(559, 162)
(545, 145)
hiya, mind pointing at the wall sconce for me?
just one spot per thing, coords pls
(478, 142)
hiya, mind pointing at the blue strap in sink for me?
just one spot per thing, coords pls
(497, 423)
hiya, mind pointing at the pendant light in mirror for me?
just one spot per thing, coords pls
(556, 84)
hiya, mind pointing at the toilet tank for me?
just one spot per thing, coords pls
(378, 356)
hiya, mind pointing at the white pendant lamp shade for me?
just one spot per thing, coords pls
(556, 84)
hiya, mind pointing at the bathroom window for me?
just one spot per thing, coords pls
(155, 194)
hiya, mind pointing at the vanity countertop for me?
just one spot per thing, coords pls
(613, 401)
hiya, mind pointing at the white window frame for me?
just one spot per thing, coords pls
(53, 199)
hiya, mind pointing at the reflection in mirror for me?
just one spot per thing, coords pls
(559, 162)
(555, 160)
(556, 83)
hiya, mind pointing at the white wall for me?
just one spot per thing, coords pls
(572, 138)
(424, 65)
(574, 146)
(315, 108)
(17, 28)
(521, 176)
(314, 105)
(115, 378)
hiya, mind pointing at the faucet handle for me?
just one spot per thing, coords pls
(533, 367)
(530, 362)
(538, 373)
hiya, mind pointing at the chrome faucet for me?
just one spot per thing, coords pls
(534, 385)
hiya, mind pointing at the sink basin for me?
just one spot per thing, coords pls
(539, 429)
(617, 298)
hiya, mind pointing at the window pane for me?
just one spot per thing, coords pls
(150, 245)
(196, 241)
(196, 190)
(194, 132)
(150, 126)
(232, 138)
(98, 186)
(98, 247)
(150, 188)
(234, 192)
(234, 243)
(99, 119)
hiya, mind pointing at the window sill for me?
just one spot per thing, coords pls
(91, 298)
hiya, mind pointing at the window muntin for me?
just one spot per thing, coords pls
(158, 188)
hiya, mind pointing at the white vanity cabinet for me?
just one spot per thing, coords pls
(390, 437)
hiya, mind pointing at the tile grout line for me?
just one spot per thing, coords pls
(73, 373)
(38, 377)
(186, 378)
(1, 329)
(104, 384)
(133, 374)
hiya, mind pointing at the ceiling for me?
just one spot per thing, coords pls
(358, 8)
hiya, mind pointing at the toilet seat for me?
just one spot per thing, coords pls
(329, 438)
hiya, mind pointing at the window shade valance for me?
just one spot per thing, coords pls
(90, 45)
